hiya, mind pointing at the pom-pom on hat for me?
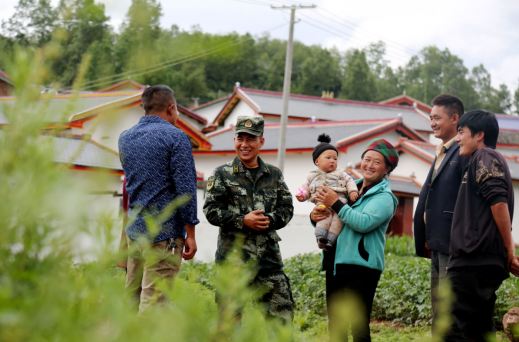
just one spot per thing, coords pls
(385, 148)
(324, 145)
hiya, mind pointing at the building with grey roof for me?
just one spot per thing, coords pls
(304, 107)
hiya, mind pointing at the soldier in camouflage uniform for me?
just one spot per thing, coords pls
(249, 199)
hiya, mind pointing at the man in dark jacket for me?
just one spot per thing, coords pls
(433, 216)
(482, 251)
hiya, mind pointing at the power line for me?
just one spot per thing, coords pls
(339, 32)
(253, 2)
(342, 34)
(157, 67)
(389, 42)
(336, 26)
(286, 81)
(137, 72)
(351, 30)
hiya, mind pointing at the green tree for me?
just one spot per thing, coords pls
(375, 55)
(516, 101)
(482, 83)
(32, 23)
(86, 31)
(7, 48)
(436, 71)
(501, 101)
(496, 100)
(358, 82)
(319, 71)
(140, 31)
(270, 63)
(387, 83)
(233, 61)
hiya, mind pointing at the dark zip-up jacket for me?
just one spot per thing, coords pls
(437, 200)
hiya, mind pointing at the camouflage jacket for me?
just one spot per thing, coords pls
(232, 193)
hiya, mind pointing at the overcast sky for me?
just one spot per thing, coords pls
(478, 31)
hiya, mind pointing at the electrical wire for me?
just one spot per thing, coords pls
(159, 66)
(340, 33)
(142, 71)
(327, 21)
(343, 21)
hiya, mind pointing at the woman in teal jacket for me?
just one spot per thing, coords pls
(359, 255)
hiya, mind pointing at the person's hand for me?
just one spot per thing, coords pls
(320, 212)
(514, 266)
(256, 220)
(189, 248)
(326, 196)
(302, 194)
(189, 243)
(353, 196)
(427, 251)
(300, 197)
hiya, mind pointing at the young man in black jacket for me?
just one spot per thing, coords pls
(482, 251)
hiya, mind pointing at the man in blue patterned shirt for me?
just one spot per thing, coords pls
(159, 169)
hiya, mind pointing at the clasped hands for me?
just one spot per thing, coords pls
(256, 220)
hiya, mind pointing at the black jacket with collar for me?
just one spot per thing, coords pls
(437, 199)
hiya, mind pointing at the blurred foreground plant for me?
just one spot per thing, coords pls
(48, 290)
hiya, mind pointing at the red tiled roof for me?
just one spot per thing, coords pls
(407, 101)
(123, 85)
(4, 77)
(194, 116)
(266, 102)
(319, 98)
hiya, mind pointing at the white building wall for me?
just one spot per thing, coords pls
(103, 208)
(192, 121)
(210, 112)
(409, 165)
(106, 128)
(241, 109)
(99, 187)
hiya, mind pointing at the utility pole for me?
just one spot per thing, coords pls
(286, 81)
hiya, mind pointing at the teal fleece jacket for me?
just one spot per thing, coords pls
(363, 237)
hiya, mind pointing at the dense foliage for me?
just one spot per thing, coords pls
(402, 295)
(202, 66)
(48, 292)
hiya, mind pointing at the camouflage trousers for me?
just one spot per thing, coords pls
(278, 298)
(147, 266)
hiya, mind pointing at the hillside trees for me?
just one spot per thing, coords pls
(386, 81)
(207, 66)
(318, 71)
(32, 23)
(359, 82)
(138, 40)
(516, 101)
(434, 71)
(85, 30)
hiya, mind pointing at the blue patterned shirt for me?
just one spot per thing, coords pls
(158, 166)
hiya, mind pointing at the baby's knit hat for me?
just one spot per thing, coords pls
(324, 145)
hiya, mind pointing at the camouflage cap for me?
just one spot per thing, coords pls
(250, 124)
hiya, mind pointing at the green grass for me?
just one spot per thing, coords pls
(402, 306)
